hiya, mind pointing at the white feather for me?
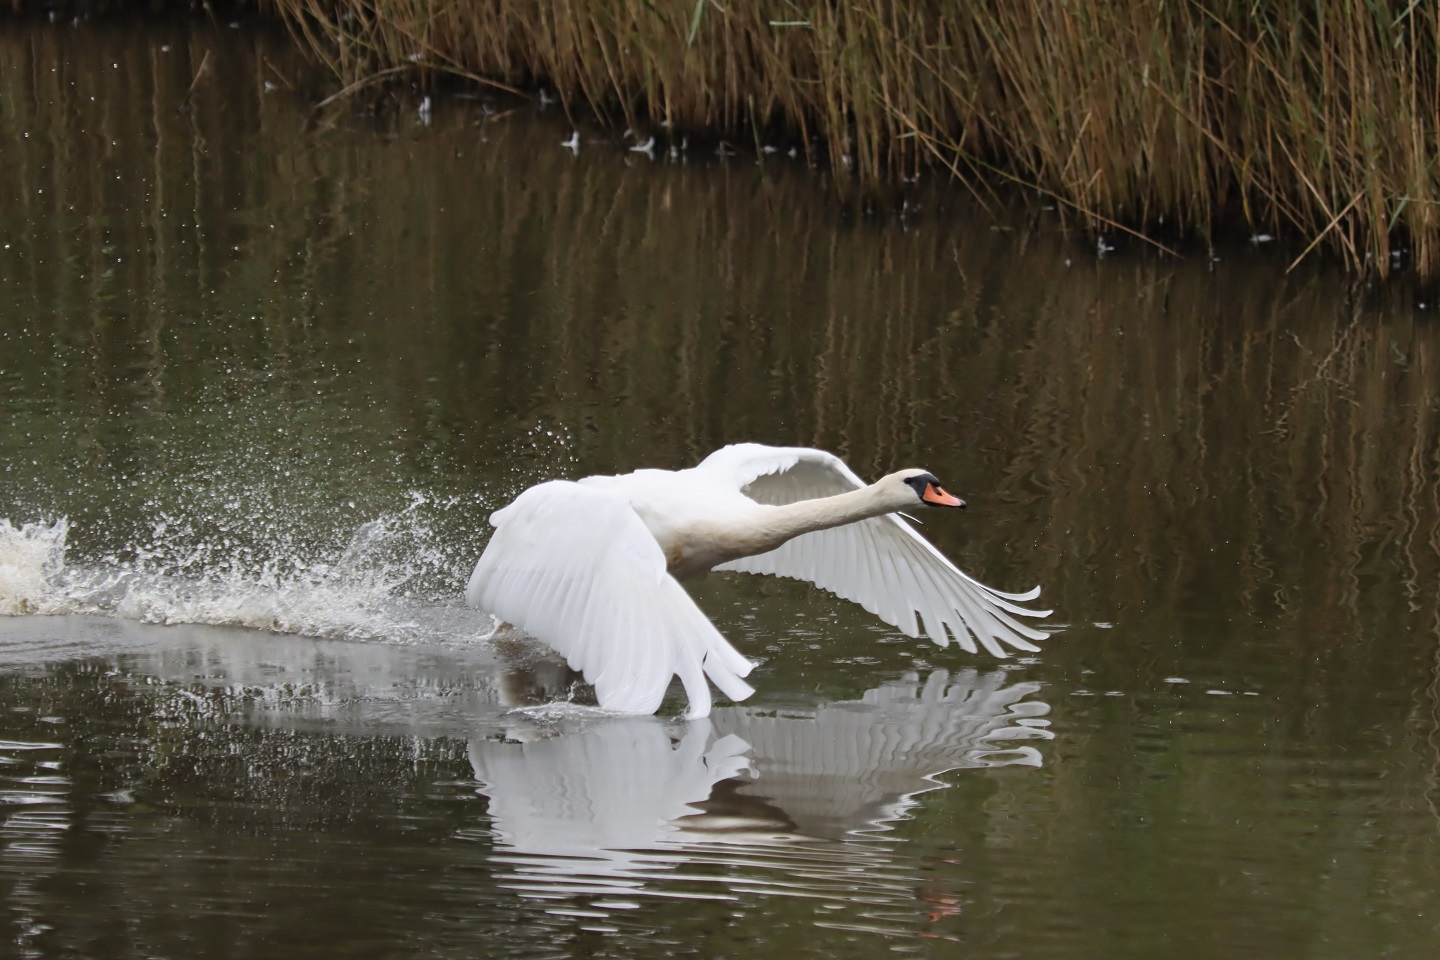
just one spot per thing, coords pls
(575, 567)
(904, 575)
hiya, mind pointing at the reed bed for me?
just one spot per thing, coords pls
(1167, 120)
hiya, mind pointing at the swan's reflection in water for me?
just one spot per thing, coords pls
(746, 802)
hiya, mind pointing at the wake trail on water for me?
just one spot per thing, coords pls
(389, 582)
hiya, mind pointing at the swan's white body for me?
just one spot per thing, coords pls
(592, 567)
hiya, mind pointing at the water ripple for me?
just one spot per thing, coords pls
(34, 801)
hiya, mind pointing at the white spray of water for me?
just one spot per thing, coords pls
(31, 556)
(365, 593)
(245, 527)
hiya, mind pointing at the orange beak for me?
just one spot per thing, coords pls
(939, 497)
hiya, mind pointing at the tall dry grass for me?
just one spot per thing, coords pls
(1167, 119)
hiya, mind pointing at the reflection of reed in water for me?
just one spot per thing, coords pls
(745, 801)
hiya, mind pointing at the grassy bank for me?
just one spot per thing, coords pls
(1172, 119)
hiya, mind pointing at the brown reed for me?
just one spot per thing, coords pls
(1167, 119)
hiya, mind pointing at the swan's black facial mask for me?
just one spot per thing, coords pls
(927, 488)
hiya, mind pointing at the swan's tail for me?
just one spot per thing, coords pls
(705, 653)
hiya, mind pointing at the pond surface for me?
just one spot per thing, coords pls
(265, 369)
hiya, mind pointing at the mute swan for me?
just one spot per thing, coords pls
(592, 567)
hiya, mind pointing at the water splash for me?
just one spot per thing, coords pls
(381, 583)
(266, 517)
(31, 556)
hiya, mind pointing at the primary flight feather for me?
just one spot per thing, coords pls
(592, 567)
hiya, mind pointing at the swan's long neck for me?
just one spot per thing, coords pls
(696, 548)
(786, 522)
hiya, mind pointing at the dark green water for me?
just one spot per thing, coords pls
(265, 370)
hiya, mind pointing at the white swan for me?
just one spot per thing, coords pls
(592, 567)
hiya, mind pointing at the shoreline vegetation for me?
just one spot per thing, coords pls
(1166, 120)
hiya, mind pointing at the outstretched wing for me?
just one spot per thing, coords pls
(575, 568)
(883, 564)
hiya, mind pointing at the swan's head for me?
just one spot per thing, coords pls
(923, 485)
